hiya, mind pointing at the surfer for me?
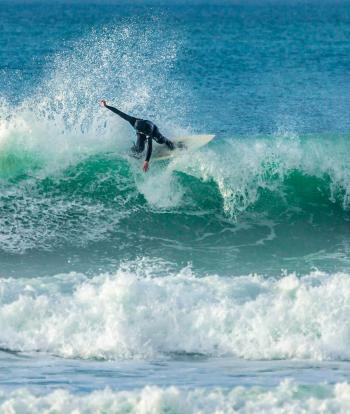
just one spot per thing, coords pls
(145, 131)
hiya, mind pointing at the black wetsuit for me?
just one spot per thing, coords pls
(145, 131)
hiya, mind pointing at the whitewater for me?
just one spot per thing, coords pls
(218, 282)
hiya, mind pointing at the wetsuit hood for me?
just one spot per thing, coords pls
(144, 127)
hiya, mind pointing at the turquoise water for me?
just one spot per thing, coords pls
(220, 279)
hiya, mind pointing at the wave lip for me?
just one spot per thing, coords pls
(247, 170)
(145, 310)
(287, 397)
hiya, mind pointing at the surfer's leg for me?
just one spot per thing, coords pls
(161, 139)
(139, 145)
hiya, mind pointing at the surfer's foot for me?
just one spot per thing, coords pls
(135, 152)
(136, 155)
(170, 145)
(180, 145)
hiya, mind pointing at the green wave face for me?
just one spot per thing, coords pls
(263, 200)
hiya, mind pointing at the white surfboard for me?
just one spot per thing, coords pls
(184, 144)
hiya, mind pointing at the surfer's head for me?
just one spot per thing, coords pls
(145, 127)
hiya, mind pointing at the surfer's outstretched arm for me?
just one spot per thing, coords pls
(127, 117)
(148, 154)
(149, 149)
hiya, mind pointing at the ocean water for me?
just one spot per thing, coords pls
(218, 282)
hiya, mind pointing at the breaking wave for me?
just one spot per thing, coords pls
(287, 397)
(147, 310)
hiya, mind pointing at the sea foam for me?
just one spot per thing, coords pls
(285, 398)
(147, 310)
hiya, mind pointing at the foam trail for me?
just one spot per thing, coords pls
(285, 398)
(147, 310)
(161, 188)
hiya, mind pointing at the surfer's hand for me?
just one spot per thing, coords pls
(145, 166)
(103, 103)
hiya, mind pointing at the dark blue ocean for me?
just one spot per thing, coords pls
(218, 282)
